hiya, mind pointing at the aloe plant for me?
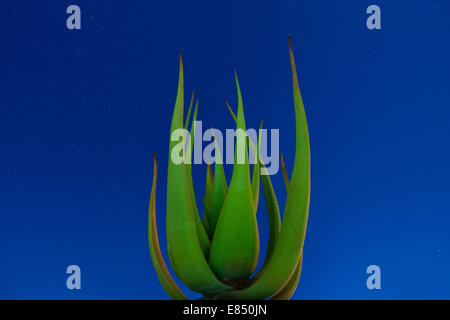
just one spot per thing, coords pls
(217, 256)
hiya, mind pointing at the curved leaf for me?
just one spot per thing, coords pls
(185, 251)
(189, 111)
(291, 286)
(164, 276)
(235, 245)
(283, 169)
(273, 211)
(256, 169)
(202, 234)
(286, 255)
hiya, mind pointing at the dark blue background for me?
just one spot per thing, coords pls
(82, 111)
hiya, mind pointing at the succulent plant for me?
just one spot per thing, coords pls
(217, 256)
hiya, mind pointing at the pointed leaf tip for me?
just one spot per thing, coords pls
(237, 82)
(293, 68)
(231, 111)
(285, 174)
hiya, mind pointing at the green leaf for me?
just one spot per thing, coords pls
(235, 245)
(185, 250)
(164, 276)
(291, 286)
(202, 234)
(286, 254)
(220, 189)
(256, 169)
(189, 111)
(283, 169)
(208, 200)
(273, 211)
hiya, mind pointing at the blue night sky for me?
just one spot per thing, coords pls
(82, 111)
